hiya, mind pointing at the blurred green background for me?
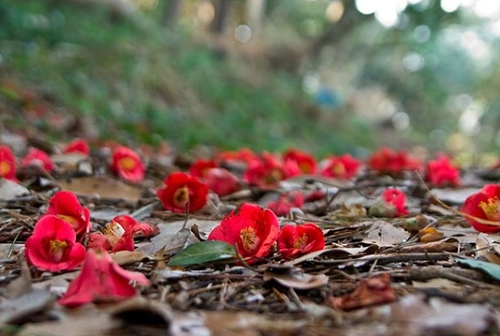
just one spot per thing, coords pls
(327, 76)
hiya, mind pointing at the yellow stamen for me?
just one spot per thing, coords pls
(70, 219)
(305, 167)
(181, 197)
(491, 209)
(5, 168)
(127, 163)
(301, 241)
(249, 238)
(338, 169)
(57, 248)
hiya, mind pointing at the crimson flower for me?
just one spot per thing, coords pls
(127, 164)
(295, 240)
(221, 181)
(387, 161)
(200, 167)
(77, 146)
(441, 172)
(281, 207)
(101, 280)
(253, 230)
(53, 246)
(268, 171)
(245, 155)
(36, 157)
(397, 199)
(181, 189)
(344, 166)
(305, 161)
(485, 205)
(7, 163)
(65, 205)
(119, 234)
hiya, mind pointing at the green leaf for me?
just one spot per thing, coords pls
(203, 252)
(489, 268)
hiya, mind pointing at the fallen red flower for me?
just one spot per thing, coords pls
(295, 240)
(387, 161)
(119, 234)
(101, 280)
(442, 172)
(200, 167)
(77, 146)
(285, 203)
(127, 164)
(269, 170)
(485, 205)
(53, 245)
(372, 291)
(65, 205)
(7, 163)
(182, 189)
(221, 181)
(36, 157)
(344, 166)
(252, 229)
(245, 155)
(397, 199)
(305, 161)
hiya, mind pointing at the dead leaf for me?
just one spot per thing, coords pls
(21, 285)
(139, 310)
(130, 257)
(349, 211)
(69, 161)
(337, 252)
(436, 283)
(293, 277)
(385, 234)
(17, 309)
(454, 195)
(105, 187)
(430, 234)
(487, 248)
(372, 291)
(11, 190)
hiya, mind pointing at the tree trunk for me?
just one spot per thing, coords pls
(171, 13)
(222, 10)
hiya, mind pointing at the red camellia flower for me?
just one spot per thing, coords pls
(253, 230)
(77, 146)
(268, 171)
(36, 157)
(293, 199)
(53, 246)
(305, 161)
(127, 164)
(200, 167)
(344, 166)
(65, 205)
(119, 234)
(101, 280)
(441, 172)
(295, 240)
(221, 181)
(7, 163)
(485, 205)
(181, 189)
(245, 155)
(397, 199)
(388, 161)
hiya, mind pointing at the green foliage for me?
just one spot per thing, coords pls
(203, 252)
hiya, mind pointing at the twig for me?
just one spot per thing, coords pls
(391, 258)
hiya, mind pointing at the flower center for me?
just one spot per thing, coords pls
(275, 175)
(249, 239)
(127, 163)
(57, 248)
(113, 231)
(181, 197)
(305, 167)
(5, 168)
(70, 219)
(491, 208)
(338, 169)
(301, 241)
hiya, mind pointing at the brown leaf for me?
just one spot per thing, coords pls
(488, 248)
(10, 189)
(17, 309)
(430, 234)
(139, 310)
(372, 291)
(105, 187)
(292, 277)
(385, 234)
(130, 257)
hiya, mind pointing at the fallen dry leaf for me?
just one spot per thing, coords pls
(130, 257)
(488, 249)
(105, 187)
(293, 277)
(385, 234)
(11, 190)
(430, 234)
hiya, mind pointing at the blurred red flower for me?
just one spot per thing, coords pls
(77, 146)
(221, 181)
(292, 199)
(245, 155)
(200, 167)
(397, 199)
(305, 161)
(253, 230)
(295, 240)
(269, 170)
(101, 280)
(388, 161)
(344, 166)
(53, 246)
(442, 172)
(485, 205)
(181, 189)
(127, 164)
(65, 205)
(119, 234)
(7, 163)
(36, 157)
